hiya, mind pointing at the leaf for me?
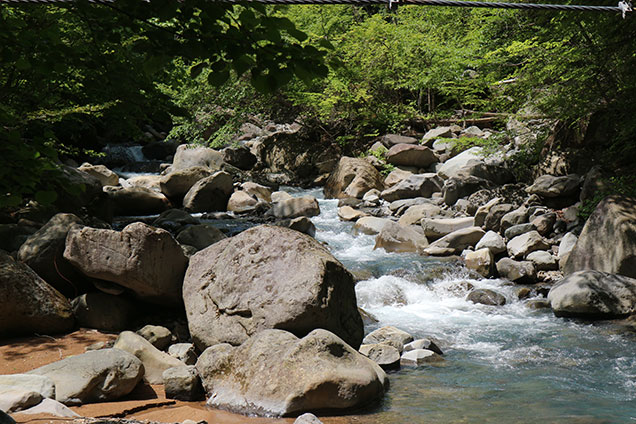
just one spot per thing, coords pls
(45, 197)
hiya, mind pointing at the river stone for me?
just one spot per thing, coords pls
(396, 176)
(296, 207)
(174, 220)
(158, 336)
(495, 213)
(386, 356)
(545, 223)
(240, 201)
(189, 155)
(28, 304)
(417, 185)
(200, 236)
(515, 217)
(415, 213)
(482, 261)
(35, 383)
(279, 278)
(14, 399)
(520, 272)
(135, 201)
(177, 183)
(276, 373)
(484, 210)
(262, 193)
(50, 407)
(87, 189)
(522, 245)
(102, 173)
(370, 225)
(608, 240)
(301, 224)
(240, 157)
(389, 335)
(353, 177)
(565, 247)
(96, 376)
(543, 260)
(435, 133)
(154, 361)
(395, 238)
(418, 357)
(461, 186)
(145, 259)
(492, 241)
(280, 196)
(517, 230)
(455, 242)
(435, 228)
(185, 352)
(494, 173)
(394, 139)
(593, 294)
(307, 418)
(182, 383)
(103, 311)
(423, 344)
(486, 297)
(209, 194)
(551, 186)
(411, 155)
(451, 167)
(347, 213)
(151, 182)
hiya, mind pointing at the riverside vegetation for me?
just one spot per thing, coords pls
(455, 148)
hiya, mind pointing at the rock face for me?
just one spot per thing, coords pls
(417, 185)
(411, 155)
(608, 240)
(275, 373)
(395, 238)
(268, 277)
(177, 183)
(145, 259)
(28, 304)
(593, 294)
(209, 194)
(43, 250)
(352, 178)
(188, 155)
(295, 207)
(96, 376)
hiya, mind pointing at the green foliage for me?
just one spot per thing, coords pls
(489, 145)
(624, 185)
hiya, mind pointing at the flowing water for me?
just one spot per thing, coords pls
(503, 364)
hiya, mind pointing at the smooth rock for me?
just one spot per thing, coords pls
(515, 217)
(135, 201)
(307, 418)
(261, 192)
(209, 194)
(411, 155)
(33, 383)
(103, 311)
(279, 278)
(435, 133)
(435, 228)
(417, 185)
(96, 376)
(419, 357)
(370, 225)
(521, 246)
(386, 356)
(177, 183)
(520, 272)
(565, 247)
(240, 201)
(486, 297)
(395, 238)
(414, 214)
(451, 167)
(455, 242)
(275, 373)
(185, 352)
(423, 344)
(50, 407)
(296, 207)
(102, 173)
(388, 335)
(190, 155)
(517, 230)
(158, 336)
(393, 139)
(492, 241)
(396, 176)
(200, 236)
(551, 186)
(155, 362)
(482, 261)
(347, 213)
(182, 383)
(14, 399)
(352, 178)
(543, 261)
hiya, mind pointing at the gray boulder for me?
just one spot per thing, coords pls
(551, 186)
(200, 236)
(296, 207)
(386, 356)
(455, 242)
(543, 260)
(240, 202)
(34, 383)
(347, 213)
(370, 225)
(307, 418)
(136, 201)
(435, 133)
(353, 177)
(174, 220)
(493, 242)
(483, 211)
(435, 228)
(185, 352)
(395, 238)
(189, 155)
(423, 344)
(482, 261)
(517, 271)
(411, 155)
(14, 399)
(389, 335)
(417, 185)
(593, 294)
(521, 246)
(486, 297)
(275, 373)
(419, 357)
(515, 217)
(260, 192)
(414, 214)
(182, 383)
(50, 407)
(301, 224)
(103, 311)
(158, 336)
(396, 176)
(145, 259)
(28, 304)
(279, 278)
(462, 186)
(451, 167)
(96, 376)
(209, 194)
(393, 139)
(177, 183)
(519, 229)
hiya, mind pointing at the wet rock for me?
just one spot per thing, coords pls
(145, 259)
(296, 207)
(538, 304)
(14, 399)
(417, 185)
(28, 304)
(435, 228)
(462, 186)
(517, 230)
(347, 213)
(411, 155)
(415, 213)
(182, 383)
(209, 194)
(189, 155)
(275, 373)
(174, 220)
(389, 335)
(200, 236)
(419, 357)
(482, 261)
(103, 311)
(154, 361)
(607, 242)
(593, 294)
(486, 297)
(42, 252)
(451, 167)
(279, 279)
(493, 242)
(102, 173)
(370, 225)
(32, 383)
(185, 352)
(260, 192)
(395, 238)
(158, 336)
(352, 178)
(519, 272)
(455, 242)
(97, 376)
(386, 356)
(543, 261)
(135, 201)
(521, 246)
(177, 183)
(423, 344)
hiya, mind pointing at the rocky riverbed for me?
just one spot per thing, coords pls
(435, 292)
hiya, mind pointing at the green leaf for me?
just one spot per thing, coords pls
(45, 197)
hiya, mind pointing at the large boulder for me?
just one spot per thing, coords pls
(551, 186)
(411, 155)
(353, 177)
(522, 245)
(103, 174)
(13, 399)
(395, 238)
(460, 186)
(608, 240)
(137, 201)
(268, 277)
(435, 228)
(35, 383)
(370, 225)
(240, 157)
(275, 373)
(188, 155)
(103, 311)
(210, 193)
(28, 304)
(455, 242)
(417, 185)
(451, 167)
(96, 376)
(177, 183)
(43, 253)
(145, 259)
(593, 294)
(295, 207)
(414, 214)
